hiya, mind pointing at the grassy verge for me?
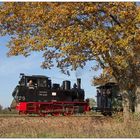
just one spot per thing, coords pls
(69, 127)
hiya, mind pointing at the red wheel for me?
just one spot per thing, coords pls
(55, 114)
(66, 114)
(68, 111)
(42, 114)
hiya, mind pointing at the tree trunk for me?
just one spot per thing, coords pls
(137, 105)
(126, 105)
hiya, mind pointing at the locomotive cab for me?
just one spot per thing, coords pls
(25, 92)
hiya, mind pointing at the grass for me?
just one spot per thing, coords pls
(69, 127)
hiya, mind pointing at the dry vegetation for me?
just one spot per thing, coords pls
(68, 127)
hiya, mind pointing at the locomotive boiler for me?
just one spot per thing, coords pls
(36, 94)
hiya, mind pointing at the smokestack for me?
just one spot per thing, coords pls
(79, 83)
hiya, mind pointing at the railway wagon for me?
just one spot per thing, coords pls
(109, 99)
(37, 94)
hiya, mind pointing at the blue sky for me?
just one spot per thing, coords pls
(11, 67)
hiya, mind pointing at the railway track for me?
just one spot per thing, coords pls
(49, 116)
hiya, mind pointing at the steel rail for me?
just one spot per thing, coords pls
(30, 116)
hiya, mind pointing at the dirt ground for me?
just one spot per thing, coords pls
(66, 127)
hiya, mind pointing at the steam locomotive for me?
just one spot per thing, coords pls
(36, 94)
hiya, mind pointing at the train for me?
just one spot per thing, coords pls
(36, 94)
(109, 99)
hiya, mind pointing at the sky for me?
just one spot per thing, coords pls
(11, 67)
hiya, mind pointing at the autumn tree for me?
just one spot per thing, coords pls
(71, 34)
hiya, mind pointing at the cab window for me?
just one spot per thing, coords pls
(32, 82)
(42, 83)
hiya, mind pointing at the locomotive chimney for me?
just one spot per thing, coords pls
(79, 83)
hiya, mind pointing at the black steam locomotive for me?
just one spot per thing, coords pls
(36, 94)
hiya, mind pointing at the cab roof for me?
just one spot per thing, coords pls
(107, 85)
(34, 76)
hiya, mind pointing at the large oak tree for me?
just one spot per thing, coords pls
(71, 34)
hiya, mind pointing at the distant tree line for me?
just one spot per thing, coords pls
(6, 110)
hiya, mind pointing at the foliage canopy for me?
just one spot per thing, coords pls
(73, 33)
